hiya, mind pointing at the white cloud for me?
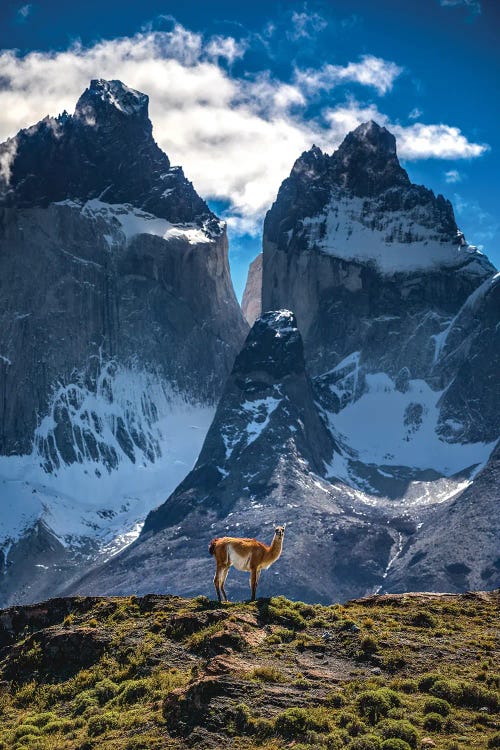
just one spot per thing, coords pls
(453, 175)
(421, 141)
(369, 71)
(415, 113)
(305, 25)
(473, 5)
(417, 141)
(236, 138)
(24, 11)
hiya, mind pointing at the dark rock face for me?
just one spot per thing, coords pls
(265, 413)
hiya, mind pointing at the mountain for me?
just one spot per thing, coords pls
(399, 316)
(119, 325)
(366, 422)
(251, 304)
(263, 462)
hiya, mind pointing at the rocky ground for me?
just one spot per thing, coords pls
(392, 672)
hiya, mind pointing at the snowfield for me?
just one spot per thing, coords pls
(87, 499)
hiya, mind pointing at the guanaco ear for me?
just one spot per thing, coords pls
(284, 526)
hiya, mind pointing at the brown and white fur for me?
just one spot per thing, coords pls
(244, 554)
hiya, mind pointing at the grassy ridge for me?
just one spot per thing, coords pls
(396, 672)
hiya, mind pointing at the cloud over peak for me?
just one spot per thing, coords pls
(236, 136)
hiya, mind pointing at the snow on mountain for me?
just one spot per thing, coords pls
(355, 229)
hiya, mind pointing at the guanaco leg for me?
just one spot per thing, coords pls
(223, 577)
(254, 579)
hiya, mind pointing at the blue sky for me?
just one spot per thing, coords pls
(238, 90)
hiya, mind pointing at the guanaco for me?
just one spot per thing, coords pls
(244, 554)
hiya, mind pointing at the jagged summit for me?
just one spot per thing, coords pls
(266, 419)
(102, 94)
(377, 136)
(273, 347)
(359, 204)
(366, 161)
(104, 151)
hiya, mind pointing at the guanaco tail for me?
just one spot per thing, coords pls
(244, 554)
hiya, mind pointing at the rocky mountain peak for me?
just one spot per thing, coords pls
(102, 95)
(373, 135)
(366, 161)
(273, 347)
(106, 150)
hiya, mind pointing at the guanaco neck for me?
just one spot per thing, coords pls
(274, 551)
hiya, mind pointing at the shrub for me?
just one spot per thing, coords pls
(132, 690)
(101, 723)
(105, 690)
(368, 645)
(39, 720)
(241, 717)
(466, 694)
(423, 620)
(395, 744)
(334, 741)
(356, 727)
(399, 729)
(437, 706)
(295, 722)
(25, 696)
(427, 681)
(374, 704)
(494, 740)
(335, 700)
(83, 701)
(408, 686)
(58, 725)
(267, 674)
(433, 722)
(368, 742)
(25, 729)
(285, 613)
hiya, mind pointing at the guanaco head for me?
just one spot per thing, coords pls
(279, 531)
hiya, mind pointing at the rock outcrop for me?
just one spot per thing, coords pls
(251, 304)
